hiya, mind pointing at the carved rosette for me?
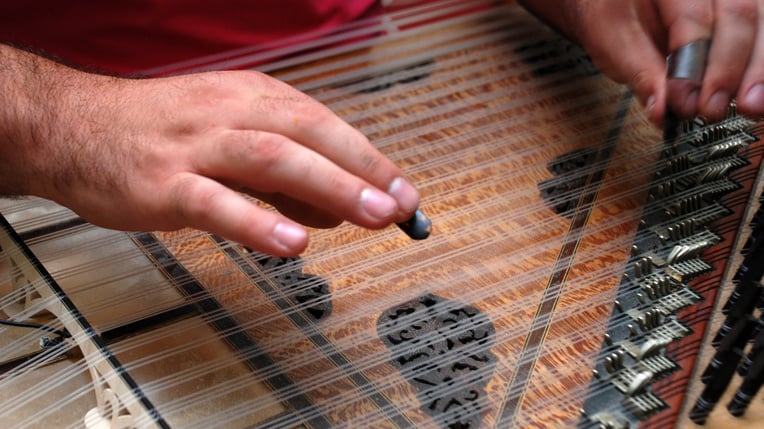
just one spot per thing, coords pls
(443, 349)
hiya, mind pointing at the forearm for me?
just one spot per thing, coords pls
(43, 112)
(22, 136)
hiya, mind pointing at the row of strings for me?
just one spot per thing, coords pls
(456, 75)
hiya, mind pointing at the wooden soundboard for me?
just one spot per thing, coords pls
(538, 174)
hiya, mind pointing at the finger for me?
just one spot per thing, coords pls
(272, 163)
(750, 97)
(686, 21)
(299, 211)
(631, 55)
(284, 110)
(682, 96)
(296, 210)
(207, 205)
(647, 68)
(686, 67)
(733, 41)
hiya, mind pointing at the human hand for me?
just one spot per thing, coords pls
(161, 154)
(630, 41)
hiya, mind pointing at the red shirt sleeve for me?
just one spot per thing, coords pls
(130, 36)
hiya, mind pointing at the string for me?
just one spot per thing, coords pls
(487, 232)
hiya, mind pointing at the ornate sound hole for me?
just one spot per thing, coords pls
(306, 290)
(549, 57)
(386, 80)
(563, 191)
(443, 349)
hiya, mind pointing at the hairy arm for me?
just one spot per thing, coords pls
(28, 107)
(58, 130)
(161, 154)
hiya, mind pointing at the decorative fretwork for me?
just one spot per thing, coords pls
(309, 291)
(570, 171)
(443, 349)
(111, 411)
(23, 299)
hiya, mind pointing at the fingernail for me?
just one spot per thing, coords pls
(754, 99)
(290, 236)
(718, 105)
(377, 204)
(650, 103)
(650, 107)
(690, 107)
(405, 194)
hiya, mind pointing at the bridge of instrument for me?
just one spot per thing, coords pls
(537, 173)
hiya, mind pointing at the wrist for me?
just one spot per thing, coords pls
(38, 127)
(19, 137)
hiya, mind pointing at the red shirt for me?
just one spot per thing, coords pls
(127, 36)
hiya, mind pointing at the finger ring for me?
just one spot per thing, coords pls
(689, 61)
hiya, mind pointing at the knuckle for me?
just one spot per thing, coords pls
(310, 114)
(721, 76)
(251, 77)
(255, 148)
(641, 82)
(191, 203)
(740, 9)
(372, 163)
(269, 93)
(270, 87)
(341, 186)
(264, 149)
(698, 15)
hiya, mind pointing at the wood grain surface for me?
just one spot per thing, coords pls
(476, 101)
